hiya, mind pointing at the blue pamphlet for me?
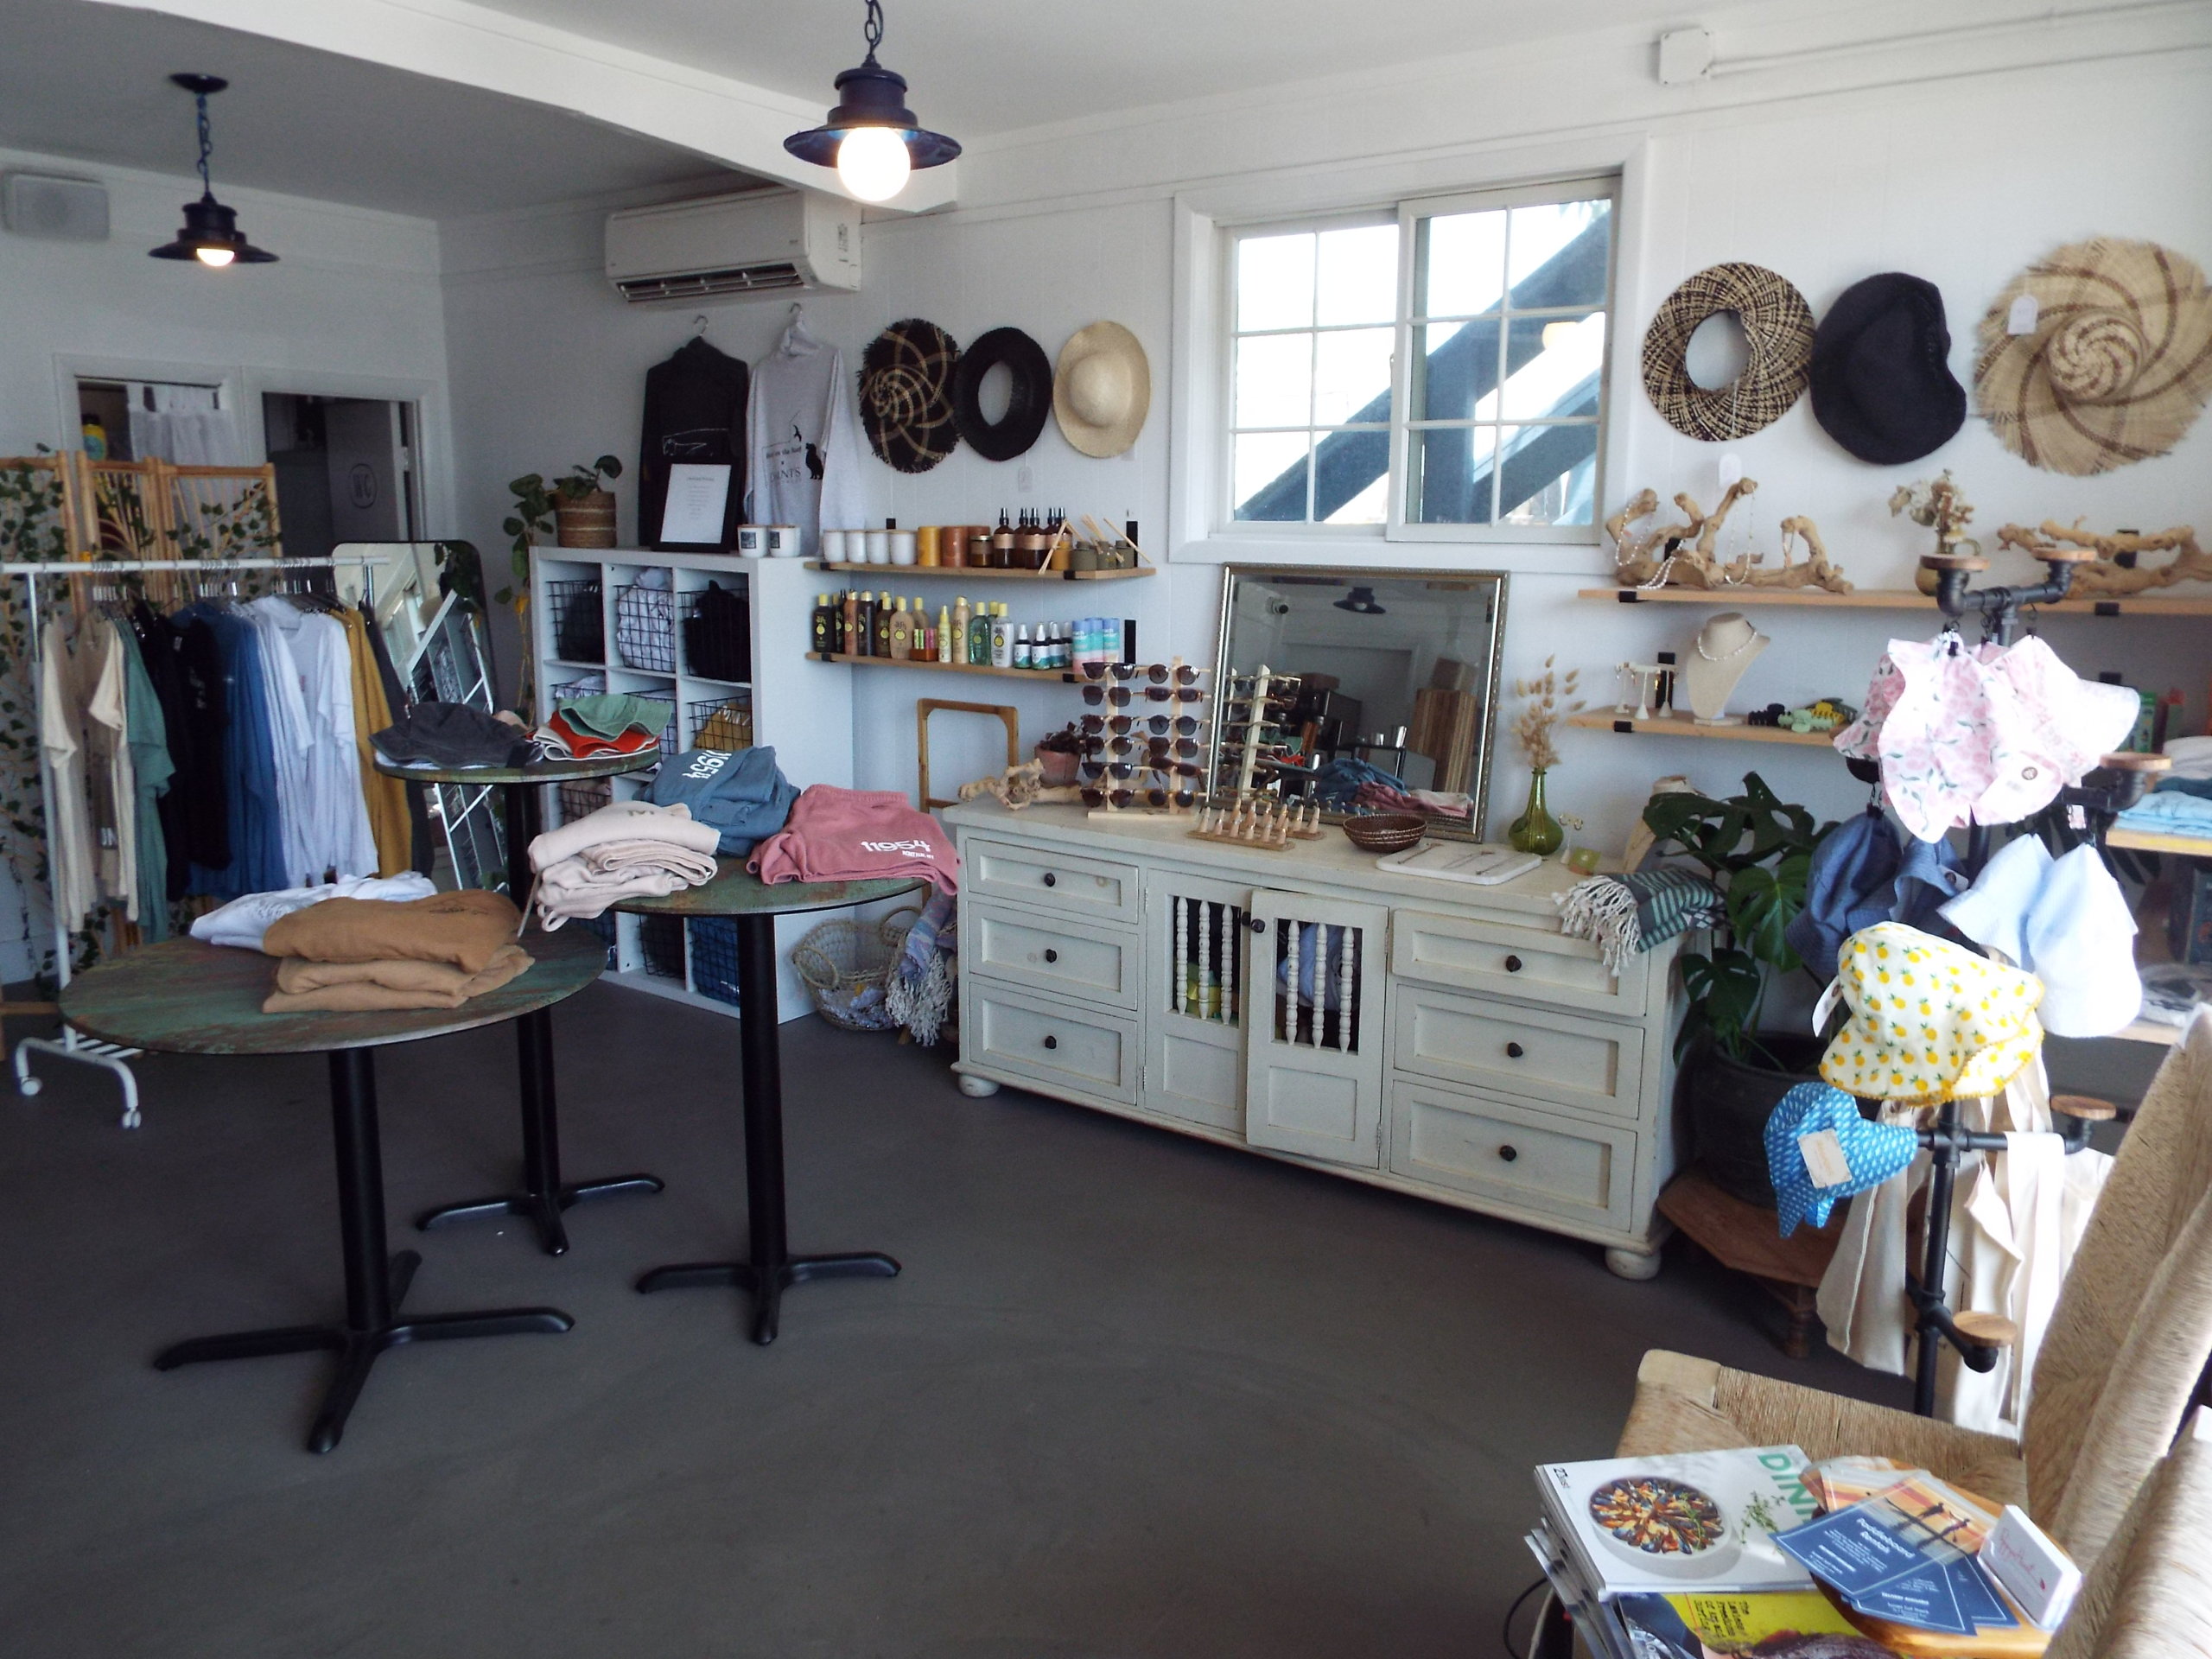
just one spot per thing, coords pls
(1892, 1565)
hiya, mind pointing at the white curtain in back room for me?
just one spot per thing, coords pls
(184, 425)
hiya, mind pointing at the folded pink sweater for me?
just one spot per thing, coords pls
(856, 835)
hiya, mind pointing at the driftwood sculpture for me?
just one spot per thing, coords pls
(2108, 577)
(1019, 786)
(1683, 556)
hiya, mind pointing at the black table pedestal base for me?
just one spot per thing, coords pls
(761, 1072)
(767, 1289)
(545, 1194)
(375, 1284)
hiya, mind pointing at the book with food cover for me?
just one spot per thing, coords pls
(1701, 1521)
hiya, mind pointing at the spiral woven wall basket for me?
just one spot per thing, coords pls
(1777, 327)
(906, 395)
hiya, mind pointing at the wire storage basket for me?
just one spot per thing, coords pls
(603, 926)
(718, 634)
(645, 628)
(584, 685)
(581, 797)
(579, 623)
(714, 958)
(846, 964)
(660, 941)
(724, 723)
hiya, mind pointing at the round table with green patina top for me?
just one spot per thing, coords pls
(185, 997)
(753, 906)
(544, 1195)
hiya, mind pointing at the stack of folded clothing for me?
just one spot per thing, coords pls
(453, 735)
(856, 835)
(743, 793)
(631, 849)
(583, 729)
(348, 954)
(243, 921)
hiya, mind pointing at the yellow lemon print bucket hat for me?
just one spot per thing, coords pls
(1930, 1021)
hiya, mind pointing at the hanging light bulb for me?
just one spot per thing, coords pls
(211, 233)
(871, 137)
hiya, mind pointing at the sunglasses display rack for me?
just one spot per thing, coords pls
(1137, 758)
(1251, 744)
(1268, 825)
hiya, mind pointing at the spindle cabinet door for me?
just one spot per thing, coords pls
(1314, 970)
(1194, 980)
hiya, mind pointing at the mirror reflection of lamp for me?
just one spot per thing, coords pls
(1361, 603)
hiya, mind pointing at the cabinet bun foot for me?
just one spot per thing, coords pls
(977, 1088)
(1628, 1264)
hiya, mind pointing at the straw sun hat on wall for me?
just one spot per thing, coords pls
(2117, 365)
(1777, 327)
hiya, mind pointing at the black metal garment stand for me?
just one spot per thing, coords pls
(544, 1195)
(376, 1282)
(772, 1268)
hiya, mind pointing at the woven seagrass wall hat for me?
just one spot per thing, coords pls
(2117, 366)
(906, 395)
(1777, 327)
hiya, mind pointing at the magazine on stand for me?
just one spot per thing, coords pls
(1697, 1521)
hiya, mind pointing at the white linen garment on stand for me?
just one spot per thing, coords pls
(318, 780)
(60, 722)
(803, 441)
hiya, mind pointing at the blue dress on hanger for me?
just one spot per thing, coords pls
(256, 833)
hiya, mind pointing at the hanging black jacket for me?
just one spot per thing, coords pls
(695, 411)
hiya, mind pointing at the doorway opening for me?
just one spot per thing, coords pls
(345, 470)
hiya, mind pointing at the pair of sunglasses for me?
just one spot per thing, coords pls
(1110, 768)
(1181, 693)
(1183, 745)
(1115, 745)
(1118, 695)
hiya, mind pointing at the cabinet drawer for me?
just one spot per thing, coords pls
(1516, 1154)
(1508, 961)
(1591, 1064)
(1073, 959)
(1031, 1037)
(1063, 881)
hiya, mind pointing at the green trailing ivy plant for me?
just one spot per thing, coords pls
(1757, 849)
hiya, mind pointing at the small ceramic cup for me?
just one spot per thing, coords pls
(902, 546)
(878, 543)
(833, 547)
(783, 541)
(753, 540)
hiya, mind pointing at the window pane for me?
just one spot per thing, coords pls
(1347, 467)
(1449, 478)
(1358, 279)
(1455, 370)
(1270, 476)
(1548, 474)
(1554, 366)
(1274, 380)
(1465, 264)
(1274, 282)
(1351, 376)
(1559, 253)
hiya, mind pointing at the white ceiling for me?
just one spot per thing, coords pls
(979, 66)
(91, 82)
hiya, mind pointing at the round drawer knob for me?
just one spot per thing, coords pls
(1051, 955)
(1052, 880)
(1513, 964)
(1513, 1051)
(1051, 1042)
(1255, 924)
(1508, 1153)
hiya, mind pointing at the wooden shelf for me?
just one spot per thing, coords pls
(1045, 676)
(980, 573)
(1888, 599)
(1680, 725)
(2146, 840)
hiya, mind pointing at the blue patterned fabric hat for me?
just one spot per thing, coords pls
(1875, 1152)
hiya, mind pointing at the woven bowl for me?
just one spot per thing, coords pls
(1385, 832)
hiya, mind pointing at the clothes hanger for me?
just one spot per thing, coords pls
(797, 337)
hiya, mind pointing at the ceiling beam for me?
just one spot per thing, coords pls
(728, 121)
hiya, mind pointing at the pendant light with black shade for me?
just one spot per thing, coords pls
(871, 137)
(211, 233)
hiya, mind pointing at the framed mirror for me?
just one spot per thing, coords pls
(1331, 678)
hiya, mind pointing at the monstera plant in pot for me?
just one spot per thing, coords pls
(1757, 849)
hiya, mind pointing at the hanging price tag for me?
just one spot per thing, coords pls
(2021, 319)
(1731, 471)
(1824, 1158)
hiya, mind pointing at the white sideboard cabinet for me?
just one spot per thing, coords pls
(1432, 1037)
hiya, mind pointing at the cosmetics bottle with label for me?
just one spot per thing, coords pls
(824, 636)
(899, 631)
(946, 633)
(862, 644)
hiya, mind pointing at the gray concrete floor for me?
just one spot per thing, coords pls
(1134, 1395)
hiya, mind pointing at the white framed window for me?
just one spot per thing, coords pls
(1436, 372)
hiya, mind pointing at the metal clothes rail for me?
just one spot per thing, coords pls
(73, 1044)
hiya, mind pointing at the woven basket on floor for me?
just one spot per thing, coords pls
(846, 964)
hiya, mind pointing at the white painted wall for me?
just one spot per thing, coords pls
(1959, 161)
(353, 307)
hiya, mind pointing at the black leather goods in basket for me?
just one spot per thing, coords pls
(718, 635)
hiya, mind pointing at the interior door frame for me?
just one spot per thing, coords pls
(428, 457)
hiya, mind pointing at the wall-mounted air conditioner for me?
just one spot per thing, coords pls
(764, 241)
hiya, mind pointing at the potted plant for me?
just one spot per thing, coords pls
(1757, 849)
(1059, 751)
(575, 506)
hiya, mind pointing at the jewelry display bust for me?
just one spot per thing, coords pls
(1726, 646)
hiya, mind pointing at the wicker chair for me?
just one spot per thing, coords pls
(2124, 1350)
(2150, 1595)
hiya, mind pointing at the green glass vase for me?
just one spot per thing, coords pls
(1536, 830)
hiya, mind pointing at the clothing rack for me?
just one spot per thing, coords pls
(72, 1045)
(2109, 789)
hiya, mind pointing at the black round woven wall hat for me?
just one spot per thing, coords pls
(1027, 409)
(906, 395)
(1882, 387)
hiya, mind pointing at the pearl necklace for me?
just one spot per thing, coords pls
(1749, 642)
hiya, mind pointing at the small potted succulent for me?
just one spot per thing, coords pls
(1058, 751)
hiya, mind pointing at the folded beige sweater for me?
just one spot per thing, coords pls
(625, 821)
(467, 929)
(353, 986)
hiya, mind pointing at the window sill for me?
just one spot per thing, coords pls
(1256, 546)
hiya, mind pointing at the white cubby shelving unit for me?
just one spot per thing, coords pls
(801, 707)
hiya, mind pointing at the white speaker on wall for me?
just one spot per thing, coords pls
(54, 209)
